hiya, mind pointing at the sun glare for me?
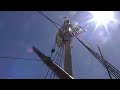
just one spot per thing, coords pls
(102, 18)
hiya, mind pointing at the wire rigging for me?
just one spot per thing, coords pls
(21, 58)
(47, 73)
(57, 61)
(54, 60)
(105, 63)
(40, 12)
(53, 49)
(112, 69)
(60, 60)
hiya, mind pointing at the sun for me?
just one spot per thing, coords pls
(102, 18)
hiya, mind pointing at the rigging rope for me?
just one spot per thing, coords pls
(47, 73)
(60, 64)
(105, 63)
(53, 49)
(57, 59)
(112, 69)
(40, 12)
(21, 58)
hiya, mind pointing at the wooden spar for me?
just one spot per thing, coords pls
(54, 67)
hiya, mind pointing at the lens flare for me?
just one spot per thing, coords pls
(102, 18)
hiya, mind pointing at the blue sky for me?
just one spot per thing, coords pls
(20, 30)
